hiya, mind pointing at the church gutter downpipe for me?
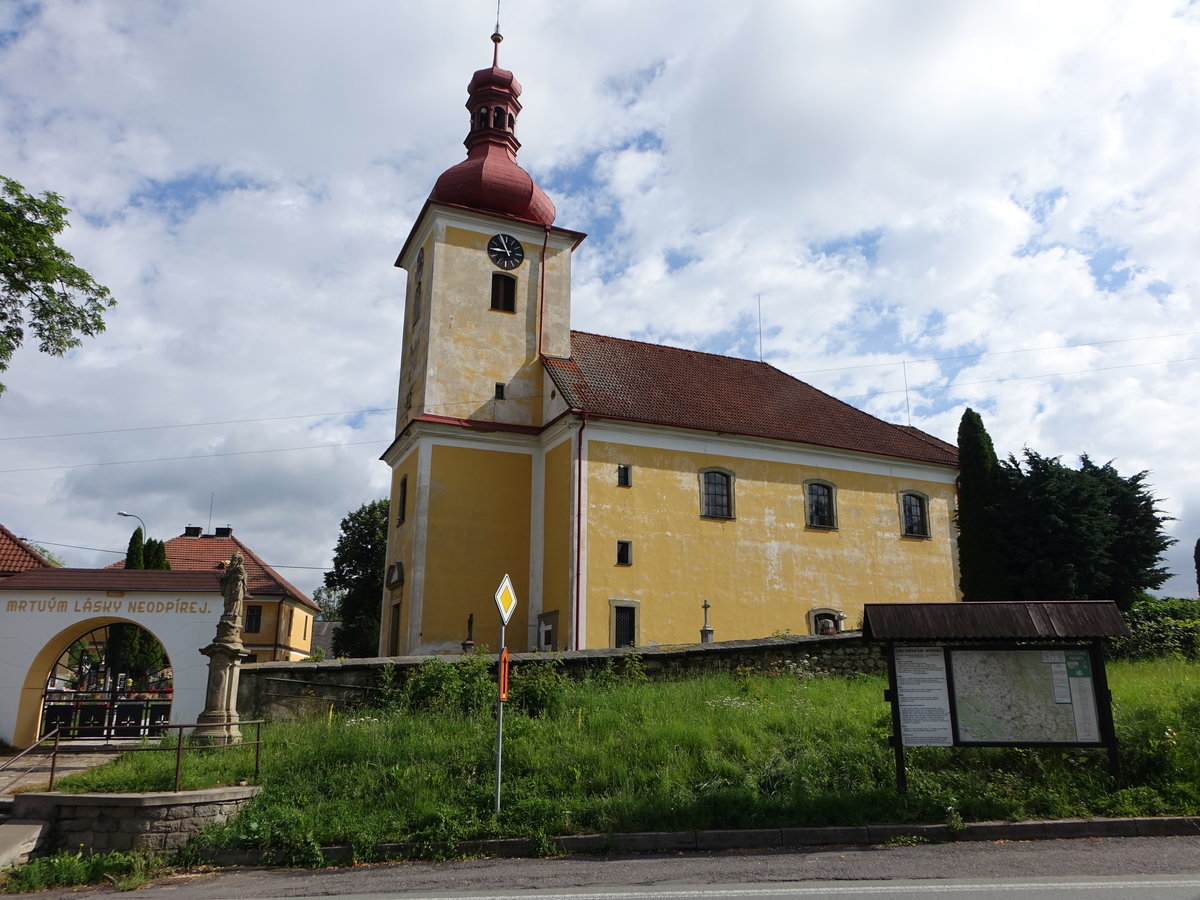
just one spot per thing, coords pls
(578, 518)
(542, 290)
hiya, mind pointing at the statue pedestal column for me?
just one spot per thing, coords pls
(218, 724)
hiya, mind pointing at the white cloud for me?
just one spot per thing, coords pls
(891, 183)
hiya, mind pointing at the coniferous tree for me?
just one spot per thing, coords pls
(981, 570)
(154, 554)
(1079, 534)
(135, 555)
(1058, 533)
(358, 568)
(1196, 557)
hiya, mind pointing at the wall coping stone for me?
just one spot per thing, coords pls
(26, 805)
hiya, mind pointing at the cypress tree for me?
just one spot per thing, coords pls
(155, 554)
(135, 557)
(1196, 557)
(981, 570)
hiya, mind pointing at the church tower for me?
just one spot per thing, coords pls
(488, 297)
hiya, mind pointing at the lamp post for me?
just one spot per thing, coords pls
(145, 534)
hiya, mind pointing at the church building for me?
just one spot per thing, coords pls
(636, 494)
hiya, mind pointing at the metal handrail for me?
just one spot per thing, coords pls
(180, 746)
(53, 759)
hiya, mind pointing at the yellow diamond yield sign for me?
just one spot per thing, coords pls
(506, 599)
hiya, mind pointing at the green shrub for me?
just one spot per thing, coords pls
(1160, 627)
(467, 687)
(539, 689)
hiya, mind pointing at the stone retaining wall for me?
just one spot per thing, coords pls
(288, 690)
(158, 821)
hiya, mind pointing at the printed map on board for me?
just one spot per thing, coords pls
(1036, 696)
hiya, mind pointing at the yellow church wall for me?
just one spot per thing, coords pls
(402, 527)
(763, 570)
(558, 536)
(502, 346)
(478, 530)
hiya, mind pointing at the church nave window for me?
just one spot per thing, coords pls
(914, 515)
(716, 494)
(821, 511)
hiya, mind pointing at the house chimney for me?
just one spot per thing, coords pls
(223, 531)
(192, 531)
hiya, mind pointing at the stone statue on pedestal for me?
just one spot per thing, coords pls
(218, 724)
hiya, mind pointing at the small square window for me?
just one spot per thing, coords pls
(253, 619)
(624, 475)
(499, 391)
(624, 553)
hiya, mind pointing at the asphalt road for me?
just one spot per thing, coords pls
(1144, 867)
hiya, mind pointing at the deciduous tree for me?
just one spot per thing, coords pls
(358, 567)
(39, 280)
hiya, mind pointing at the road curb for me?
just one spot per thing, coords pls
(749, 839)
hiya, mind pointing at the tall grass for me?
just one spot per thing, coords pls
(736, 751)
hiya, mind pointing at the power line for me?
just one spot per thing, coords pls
(123, 552)
(946, 387)
(392, 409)
(130, 462)
(933, 359)
(345, 412)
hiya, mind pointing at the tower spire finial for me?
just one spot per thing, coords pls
(497, 37)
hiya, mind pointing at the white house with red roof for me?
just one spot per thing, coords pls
(636, 494)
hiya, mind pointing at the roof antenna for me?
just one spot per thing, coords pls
(759, 296)
(497, 37)
(211, 498)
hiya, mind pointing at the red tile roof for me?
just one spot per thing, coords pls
(633, 381)
(207, 551)
(113, 580)
(17, 556)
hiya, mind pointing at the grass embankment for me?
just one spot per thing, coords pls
(619, 754)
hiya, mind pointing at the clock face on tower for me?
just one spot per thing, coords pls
(506, 251)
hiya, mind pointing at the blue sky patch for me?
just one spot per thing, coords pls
(15, 21)
(179, 197)
(1043, 204)
(865, 244)
(1108, 268)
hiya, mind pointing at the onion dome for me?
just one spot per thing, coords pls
(489, 179)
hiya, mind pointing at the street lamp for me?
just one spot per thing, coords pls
(145, 534)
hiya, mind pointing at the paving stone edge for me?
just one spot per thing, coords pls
(754, 839)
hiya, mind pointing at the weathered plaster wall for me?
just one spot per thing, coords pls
(478, 530)
(763, 569)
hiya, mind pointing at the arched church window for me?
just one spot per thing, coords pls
(483, 117)
(504, 293)
(498, 117)
(512, 122)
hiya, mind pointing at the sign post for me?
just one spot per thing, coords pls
(506, 602)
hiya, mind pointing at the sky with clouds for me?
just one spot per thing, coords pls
(928, 205)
